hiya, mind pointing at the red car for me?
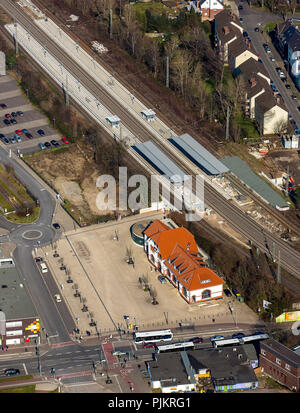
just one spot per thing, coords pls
(149, 345)
(18, 132)
(8, 116)
(65, 140)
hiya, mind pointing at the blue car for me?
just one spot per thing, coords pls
(12, 139)
(5, 140)
(217, 337)
(24, 130)
(41, 132)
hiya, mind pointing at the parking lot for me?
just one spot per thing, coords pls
(111, 288)
(31, 120)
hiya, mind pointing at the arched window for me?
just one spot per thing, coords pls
(206, 294)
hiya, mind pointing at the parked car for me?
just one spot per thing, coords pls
(2, 136)
(41, 132)
(54, 142)
(12, 139)
(245, 34)
(65, 140)
(11, 372)
(298, 108)
(287, 86)
(162, 279)
(149, 345)
(13, 114)
(20, 113)
(44, 268)
(294, 97)
(5, 140)
(6, 121)
(28, 135)
(227, 292)
(256, 29)
(57, 298)
(238, 335)
(47, 144)
(18, 132)
(272, 58)
(24, 130)
(7, 116)
(56, 225)
(18, 138)
(38, 259)
(196, 340)
(13, 121)
(42, 146)
(118, 353)
(240, 7)
(216, 337)
(3, 106)
(235, 292)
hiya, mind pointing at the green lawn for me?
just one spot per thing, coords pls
(25, 220)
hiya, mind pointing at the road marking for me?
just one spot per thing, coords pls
(26, 372)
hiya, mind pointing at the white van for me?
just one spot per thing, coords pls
(44, 267)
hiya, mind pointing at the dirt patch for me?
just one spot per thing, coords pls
(74, 180)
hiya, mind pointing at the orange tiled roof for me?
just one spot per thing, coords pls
(192, 272)
(167, 240)
(156, 227)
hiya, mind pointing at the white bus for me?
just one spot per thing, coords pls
(226, 342)
(153, 336)
(189, 345)
(248, 339)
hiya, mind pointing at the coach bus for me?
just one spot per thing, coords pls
(152, 336)
(189, 345)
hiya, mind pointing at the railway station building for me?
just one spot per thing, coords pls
(175, 254)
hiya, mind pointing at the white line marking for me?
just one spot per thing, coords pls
(26, 372)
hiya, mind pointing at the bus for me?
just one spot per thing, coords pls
(226, 342)
(153, 336)
(189, 345)
(248, 339)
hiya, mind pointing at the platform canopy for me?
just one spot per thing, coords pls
(198, 154)
(158, 160)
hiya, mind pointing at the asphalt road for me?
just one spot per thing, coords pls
(243, 224)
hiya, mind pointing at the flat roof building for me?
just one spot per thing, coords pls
(21, 318)
(200, 156)
(158, 160)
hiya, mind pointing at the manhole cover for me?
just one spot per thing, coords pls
(33, 234)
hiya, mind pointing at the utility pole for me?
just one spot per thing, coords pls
(227, 123)
(67, 91)
(278, 269)
(16, 39)
(167, 71)
(273, 245)
(287, 179)
(110, 24)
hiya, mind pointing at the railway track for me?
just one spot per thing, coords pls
(243, 224)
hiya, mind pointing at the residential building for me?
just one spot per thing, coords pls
(280, 363)
(227, 29)
(240, 51)
(270, 114)
(174, 253)
(208, 8)
(287, 41)
(20, 321)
